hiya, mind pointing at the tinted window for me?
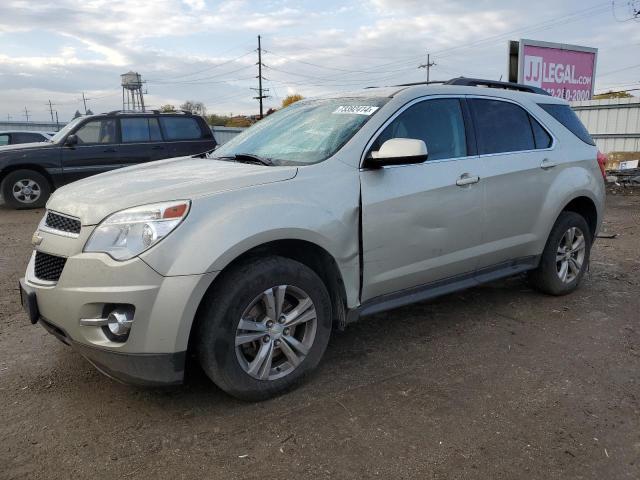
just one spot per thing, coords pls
(501, 126)
(176, 128)
(439, 123)
(540, 135)
(569, 119)
(4, 139)
(139, 130)
(26, 137)
(97, 131)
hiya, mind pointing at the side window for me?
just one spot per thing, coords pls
(26, 137)
(178, 128)
(439, 123)
(569, 119)
(540, 135)
(97, 131)
(139, 130)
(501, 126)
(4, 139)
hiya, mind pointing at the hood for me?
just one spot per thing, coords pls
(26, 146)
(93, 198)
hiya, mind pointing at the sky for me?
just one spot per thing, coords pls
(205, 50)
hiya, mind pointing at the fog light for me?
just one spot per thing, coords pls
(119, 321)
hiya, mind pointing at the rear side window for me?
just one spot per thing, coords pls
(140, 130)
(439, 123)
(177, 128)
(569, 119)
(501, 126)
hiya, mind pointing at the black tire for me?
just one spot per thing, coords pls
(546, 278)
(28, 177)
(223, 307)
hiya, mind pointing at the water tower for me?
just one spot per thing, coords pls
(132, 98)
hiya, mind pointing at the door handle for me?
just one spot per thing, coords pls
(547, 164)
(157, 147)
(467, 179)
(110, 150)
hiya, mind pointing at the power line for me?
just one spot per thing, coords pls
(211, 67)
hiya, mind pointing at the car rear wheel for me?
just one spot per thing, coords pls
(565, 258)
(263, 327)
(25, 189)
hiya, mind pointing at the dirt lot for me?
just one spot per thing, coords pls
(494, 382)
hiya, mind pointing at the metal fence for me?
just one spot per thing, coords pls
(32, 126)
(224, 134)
(613, 123)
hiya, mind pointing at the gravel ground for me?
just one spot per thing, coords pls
(494, 382)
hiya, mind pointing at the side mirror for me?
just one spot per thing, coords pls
(398, 151)
(71, 140)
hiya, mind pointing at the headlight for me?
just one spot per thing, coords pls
(130, 232)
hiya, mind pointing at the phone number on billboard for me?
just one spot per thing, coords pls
(570, 95)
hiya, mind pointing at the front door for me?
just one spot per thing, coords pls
(423, 223)
(95, 152)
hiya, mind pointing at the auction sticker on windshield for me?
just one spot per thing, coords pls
(355, 109)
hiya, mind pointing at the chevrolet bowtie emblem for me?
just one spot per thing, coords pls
(36, 239)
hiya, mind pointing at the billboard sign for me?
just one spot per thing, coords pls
(565, 71)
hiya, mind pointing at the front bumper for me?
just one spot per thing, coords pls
(159, 369)
(165, 307)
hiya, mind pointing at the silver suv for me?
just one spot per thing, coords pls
(326, 211)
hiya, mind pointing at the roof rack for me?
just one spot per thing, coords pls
(146, 112)
(477, 82)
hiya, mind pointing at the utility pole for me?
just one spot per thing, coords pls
(85, 103)
(51, 110)
(8, 117)
(428, 65)
(26, 113)
(57, 122)
(261, 96)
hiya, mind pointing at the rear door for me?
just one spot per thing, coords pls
(97, 150)
(423, 223)
(186, 135)
(141, 140)
(518, 156)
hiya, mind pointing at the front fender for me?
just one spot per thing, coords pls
(222, 227)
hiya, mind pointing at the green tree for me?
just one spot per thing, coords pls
(217, 120)
(238, 122)
(167, 108)
(289, 99)
(196, 108)
(612, 94)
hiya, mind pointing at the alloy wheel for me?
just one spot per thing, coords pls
(26, 190)
(276, 332)
(570, 255)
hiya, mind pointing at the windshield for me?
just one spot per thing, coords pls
(67, 128)
(304, 133)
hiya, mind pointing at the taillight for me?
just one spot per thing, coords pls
(602, 162)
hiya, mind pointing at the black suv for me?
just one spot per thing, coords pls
(94, 144)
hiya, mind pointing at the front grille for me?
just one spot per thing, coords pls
(62, 223)
(49, 267)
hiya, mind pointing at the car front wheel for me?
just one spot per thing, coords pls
(263, 327)
(25, 189)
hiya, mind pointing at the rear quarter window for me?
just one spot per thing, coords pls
(568, 118)
(181, 128)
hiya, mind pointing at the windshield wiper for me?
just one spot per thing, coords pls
(252, 158)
